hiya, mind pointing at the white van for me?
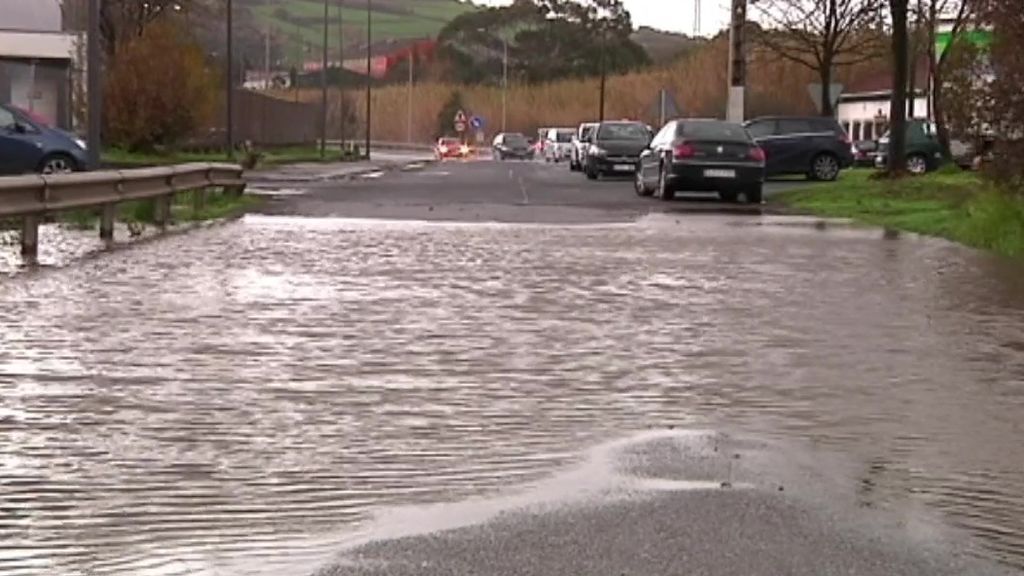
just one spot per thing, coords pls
(558, 144)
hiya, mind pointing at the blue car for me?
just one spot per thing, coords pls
(27, 145)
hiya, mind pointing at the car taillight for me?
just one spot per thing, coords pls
(443, 149)
(757, 154)
(683, 151)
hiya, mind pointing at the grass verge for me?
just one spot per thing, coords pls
(187, 207)
(269, 157)
(950, 204)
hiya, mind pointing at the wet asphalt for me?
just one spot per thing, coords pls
(505, 369)
(484, 190)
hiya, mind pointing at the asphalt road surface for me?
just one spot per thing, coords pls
(478, 368)
(486, 190)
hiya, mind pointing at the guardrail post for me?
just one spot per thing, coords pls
(198, 201)
(30, 236)
(107, 215)
(162, 210)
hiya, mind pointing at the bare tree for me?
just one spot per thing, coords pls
(958, 14)
(898, 104)
(821, 35)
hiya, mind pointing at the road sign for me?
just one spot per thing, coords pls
(834, 92)
(460, 127)
(460, 116)
(665, 107)
(476, 122)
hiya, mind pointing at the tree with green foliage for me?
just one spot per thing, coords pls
(547, 40)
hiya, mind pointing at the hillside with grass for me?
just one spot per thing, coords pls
(300, 22)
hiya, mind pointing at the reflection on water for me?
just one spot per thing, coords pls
(168, 407)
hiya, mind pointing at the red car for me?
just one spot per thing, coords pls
(451, 148)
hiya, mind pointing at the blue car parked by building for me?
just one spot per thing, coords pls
(28, 145)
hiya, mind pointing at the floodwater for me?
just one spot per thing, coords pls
(245, 389)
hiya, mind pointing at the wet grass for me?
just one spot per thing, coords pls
(268, 157)
(187, 207)
(950, 203)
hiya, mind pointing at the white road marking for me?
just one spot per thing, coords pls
(372, 175)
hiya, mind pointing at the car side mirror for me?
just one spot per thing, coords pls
(20, 128)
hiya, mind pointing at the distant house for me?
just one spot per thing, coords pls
(863, 108)
(36, 59)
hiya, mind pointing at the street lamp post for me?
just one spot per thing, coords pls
(230, 82)
(369, 74)
(94, 85)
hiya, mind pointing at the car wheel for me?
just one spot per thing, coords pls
(755, 194)
(917, 164)
(499, 156)
(57, 164)
(639, 186)
(825, 167)
(729, 196)
(592, 173)
(665, 192)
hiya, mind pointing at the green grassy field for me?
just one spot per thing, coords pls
(392, 19)
(950, 204)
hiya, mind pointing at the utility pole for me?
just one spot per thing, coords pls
(341, 76)
(323, 85)
(369, 73)
(604, 72)
(412, 64)
(735, 111)
(266, 50)
(504, 88)
(94, 85)
(230, 82)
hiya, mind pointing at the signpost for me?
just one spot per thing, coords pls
(834, 92)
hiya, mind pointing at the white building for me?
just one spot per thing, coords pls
(35, 59)
(863, 108)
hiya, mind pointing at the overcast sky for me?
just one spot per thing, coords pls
(674, 15)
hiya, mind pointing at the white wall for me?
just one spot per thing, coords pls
(27, 45)
(863, 114)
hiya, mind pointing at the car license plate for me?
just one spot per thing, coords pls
(624, 167)
(719, 173)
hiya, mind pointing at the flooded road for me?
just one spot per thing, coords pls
(246, 390)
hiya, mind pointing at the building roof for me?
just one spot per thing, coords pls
(881, 82)
(31, 15)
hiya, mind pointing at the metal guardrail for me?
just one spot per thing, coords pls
(33, 197)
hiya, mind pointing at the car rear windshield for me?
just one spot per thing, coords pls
(515, 140)
(585, 132)
(563, 136)
(622, 131)
(719, 131)
(450, 141)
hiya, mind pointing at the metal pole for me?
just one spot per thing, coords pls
(735, 111)
(94, 85)
(230, 82)
(604, 73)
(369, 76)
(504, 90)
(412, 63)
(323, 86)
(341, 77)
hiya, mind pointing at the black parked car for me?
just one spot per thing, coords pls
(615, 148)
(815, 146)
(702, 156)
(29, 145)
(512, 145)
(924, 153)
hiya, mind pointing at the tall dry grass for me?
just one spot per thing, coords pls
(698, 83)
